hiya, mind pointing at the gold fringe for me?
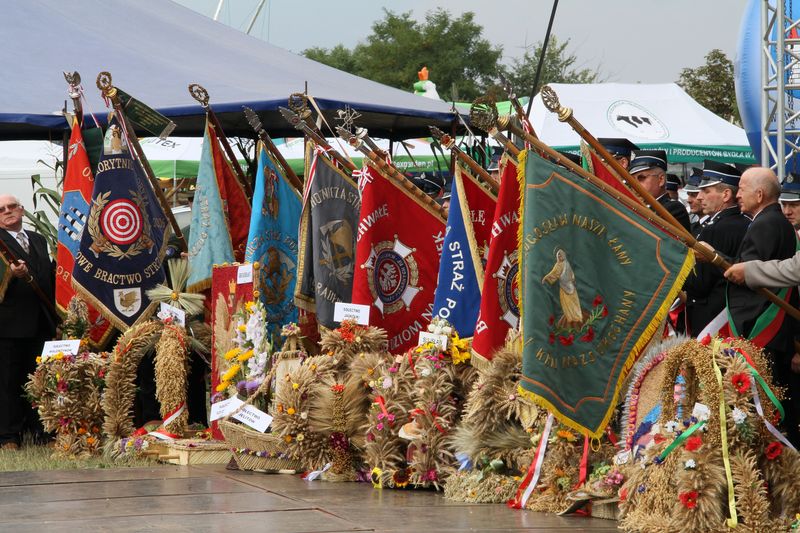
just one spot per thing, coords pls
(522, 159)
(481, 363)
(200, 286)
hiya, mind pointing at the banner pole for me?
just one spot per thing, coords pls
(110, 92)
(299, 124)
(449, 142)
(255, 123)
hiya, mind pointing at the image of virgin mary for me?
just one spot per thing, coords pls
(572, 314)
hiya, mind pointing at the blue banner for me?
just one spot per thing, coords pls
(272, 241)
(209, 237)
(122, 245)
(458, 294)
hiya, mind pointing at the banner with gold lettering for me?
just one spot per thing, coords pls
(122, 245)
(597, 281)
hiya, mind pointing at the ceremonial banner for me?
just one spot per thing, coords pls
(272, 241)
(5, 276)
(458, 293)
(122, 248)
(78, 185)
(327, 240)
(209, 238)
(597, 280)
(399, 241)
(499, 309)
(234, 200)
(594, 164)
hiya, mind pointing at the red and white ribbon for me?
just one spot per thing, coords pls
(171, 417)
(532, 477)
(772, 429)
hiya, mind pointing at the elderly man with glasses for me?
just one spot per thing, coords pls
(25, 322)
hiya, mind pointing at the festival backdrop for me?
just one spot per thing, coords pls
(272, 240)
(399, 242)
(597, 281)
(122, 246)
(499, 310)
(458, 293)
(327, 239)
(78, 185)
(209, 237)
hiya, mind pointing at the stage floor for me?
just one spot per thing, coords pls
(210, 498)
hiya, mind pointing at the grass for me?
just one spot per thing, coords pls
(32, 457)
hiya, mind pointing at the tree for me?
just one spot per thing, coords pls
(559, 67)
(461, 62)
(711, 85)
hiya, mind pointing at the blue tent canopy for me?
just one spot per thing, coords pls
(154, 49)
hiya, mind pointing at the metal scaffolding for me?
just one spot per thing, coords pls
(780, 77)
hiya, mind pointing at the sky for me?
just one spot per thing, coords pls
(628, 41)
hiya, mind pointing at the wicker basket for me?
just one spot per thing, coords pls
(607, 509)
(253, 450)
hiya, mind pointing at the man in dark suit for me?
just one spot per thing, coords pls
(650, 168)
(25, 322)
(770, 236)
(724, 230)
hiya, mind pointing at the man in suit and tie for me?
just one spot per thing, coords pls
(25, 321)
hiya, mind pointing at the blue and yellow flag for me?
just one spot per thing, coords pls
(209, 238)
(597, 282)
(458, 293)
(272, 240)
(123, 242)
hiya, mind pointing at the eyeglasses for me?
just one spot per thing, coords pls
(9, 207)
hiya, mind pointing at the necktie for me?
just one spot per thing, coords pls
(23, 241)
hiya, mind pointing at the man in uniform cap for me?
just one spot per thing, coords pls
(724, 230)
(494, 167)
(620, 148)
(692, 188)
(673, 184)
(790, 200)
(430, 184)
(650, 168)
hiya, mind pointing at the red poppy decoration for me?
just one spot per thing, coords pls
(552, 338)
(773, 450)
(689, 499)
(588, 336)
(604, 313)
(551, 320)
(566, 341)
(705, 341)
(693, 443)
(337, 388)
(741, 382)
(597, 300)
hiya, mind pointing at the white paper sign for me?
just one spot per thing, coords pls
(357, 312)
(437, 340)
(224, 408)
(701, 412)
(255, 418)
(244, 274)
(178, 315)
(69, 347)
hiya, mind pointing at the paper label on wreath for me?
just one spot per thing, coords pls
(253, 417)
(244, 274)
(439, 341)
(346, 311)
(69, 347)
(177, 315)
(224, 408)
(701, 412)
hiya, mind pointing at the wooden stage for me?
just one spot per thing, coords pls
(210, 498)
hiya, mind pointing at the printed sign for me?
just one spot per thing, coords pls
(69, 347)
(177, 315)
(255, 418)
(244, 274)
(224, 408)
(437, 340)
(357, 312)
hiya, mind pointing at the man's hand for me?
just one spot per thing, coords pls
(19, 269)
(796, 363)
(736, 274)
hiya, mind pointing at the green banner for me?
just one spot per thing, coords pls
(597, 280)
(145, 116)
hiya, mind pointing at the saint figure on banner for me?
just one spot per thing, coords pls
(567, 291)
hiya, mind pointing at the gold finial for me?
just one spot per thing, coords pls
(199, 93)
(104, 84)
(551, 102)
(483, 113)
(298, 102)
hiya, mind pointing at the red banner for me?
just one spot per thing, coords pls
(398, 245)
(482, 204)
(78, 185)
(234, 199)
(500, 295)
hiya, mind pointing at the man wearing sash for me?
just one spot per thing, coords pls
(770, 236)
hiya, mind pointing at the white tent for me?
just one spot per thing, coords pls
(653, 116)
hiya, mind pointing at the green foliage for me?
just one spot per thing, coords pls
(461, 62)
(559, 66)
(711, 85)
(46, 199)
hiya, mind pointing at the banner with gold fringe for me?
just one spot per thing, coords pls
(597, 281)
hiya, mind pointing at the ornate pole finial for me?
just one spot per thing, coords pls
(483, 113)
(551, 102)
(199, 93)
(105, 86)
(298, 102)
(444, 139)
